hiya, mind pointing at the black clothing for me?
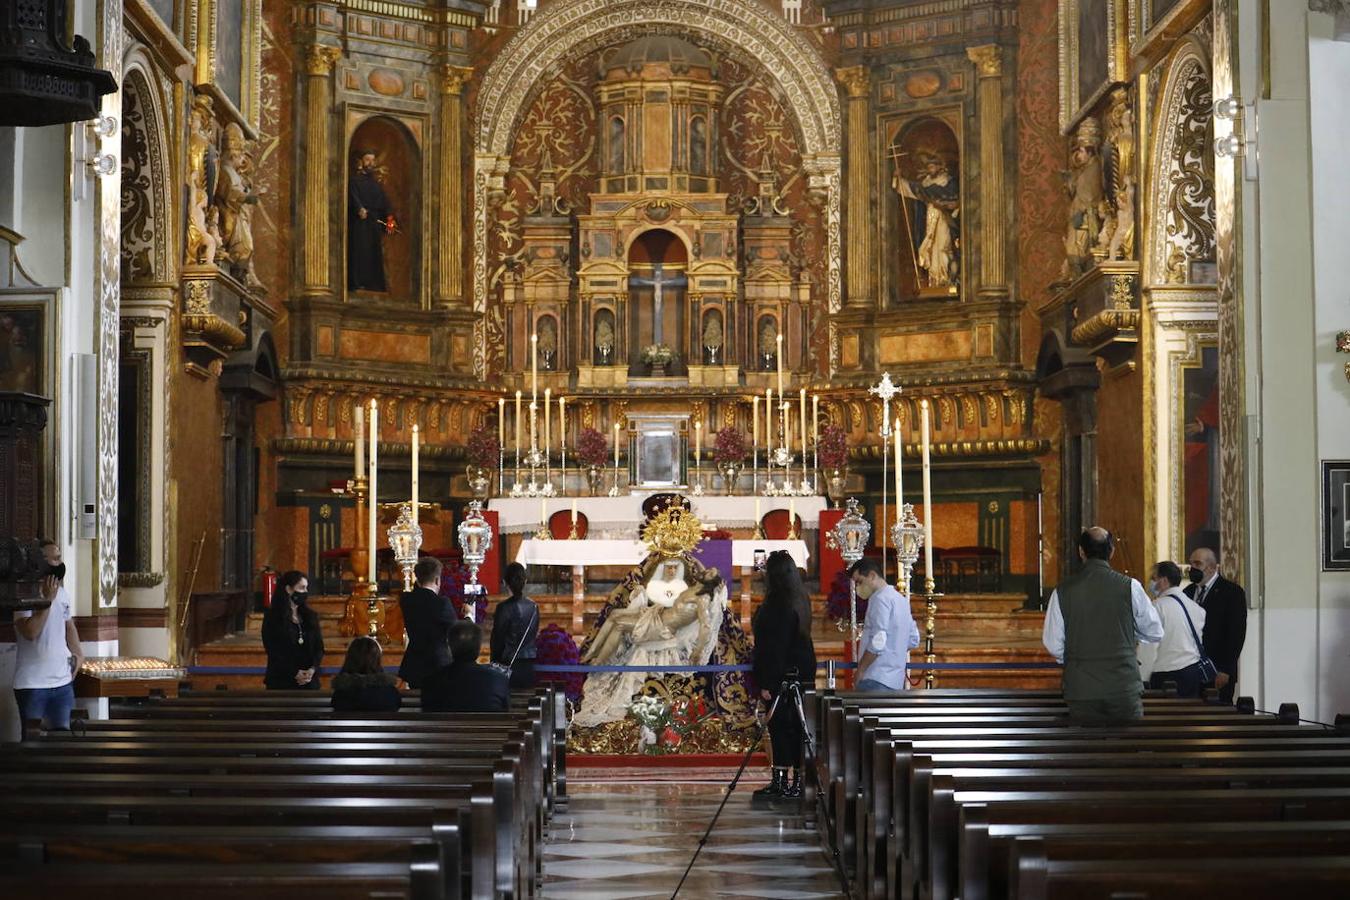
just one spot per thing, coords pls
(365, 252)
(365, 693)
(1225, 605)
(1187, 680)
(466, 687)
(786, 737)
(780, 646)
(291, 648)
(522, 675)
(427, 616)
(515, 624)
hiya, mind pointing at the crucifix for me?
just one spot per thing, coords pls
(886, 390)
(657, 283)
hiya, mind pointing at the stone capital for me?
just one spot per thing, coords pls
(453, 79)
(319, 59)
(988, 60)
(855, 80)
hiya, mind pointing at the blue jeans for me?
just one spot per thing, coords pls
(52, 704)
(874, 687)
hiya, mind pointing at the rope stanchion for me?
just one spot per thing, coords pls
(580, 669)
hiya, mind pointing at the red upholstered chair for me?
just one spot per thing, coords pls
(775, 525)
(974, 568)
(560, 524)
(332, 563)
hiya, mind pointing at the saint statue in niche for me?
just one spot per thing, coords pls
(548, 343)
(369, 218)
(931, 203)
(604, 338)
(768, 343)
(712, 338)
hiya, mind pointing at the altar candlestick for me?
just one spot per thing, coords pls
(792, 518)
(780, 363)
(543, 514)
(501, 422)
(698, 442)
(754, 420)
(534, 367)
(899, 445)
(574, 514)
(517, 428)
(562, 425)
(927, 496)
(534, 426)
(416, 440)
(768, 422)
(787, 428)
(548, 420)
(374, 490)
(359, 420)
(616, 445)
(815, 420)
(802, 407)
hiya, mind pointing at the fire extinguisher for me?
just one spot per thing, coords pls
(269, 586)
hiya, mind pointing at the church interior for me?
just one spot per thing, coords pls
(641, 294)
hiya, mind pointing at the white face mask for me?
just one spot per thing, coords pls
(1153, 587)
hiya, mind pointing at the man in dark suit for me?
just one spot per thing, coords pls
(427, 616)
(1225, 605)
(464, 685)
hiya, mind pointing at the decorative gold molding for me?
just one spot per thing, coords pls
(855, 79)
(988, 60)
(453, 78)
(320, 59)
(1107, 323)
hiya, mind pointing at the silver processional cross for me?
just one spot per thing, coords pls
(886, 390)
(657, 283)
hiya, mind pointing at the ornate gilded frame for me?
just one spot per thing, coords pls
(202, 33)
(47, 303)
(1071, 111)
(1150, 40)
(1205, 336)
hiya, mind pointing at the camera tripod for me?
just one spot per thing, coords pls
(791, 690)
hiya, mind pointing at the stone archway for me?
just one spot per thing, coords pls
(568, 27)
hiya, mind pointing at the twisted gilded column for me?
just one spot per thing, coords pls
(450, 267)
(988, 59)
(319, 62)
(859, 264)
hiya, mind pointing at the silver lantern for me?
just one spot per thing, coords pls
(405, 539)
(850, 535)
(475, 540)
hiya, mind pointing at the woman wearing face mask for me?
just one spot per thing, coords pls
(292, 637)
(783, 651)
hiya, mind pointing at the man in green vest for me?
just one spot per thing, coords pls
(1096, 618)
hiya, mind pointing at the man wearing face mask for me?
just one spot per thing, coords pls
(889, 631)
(1095, 618)
(1176, 658)
(1225, 605)
(48, 652)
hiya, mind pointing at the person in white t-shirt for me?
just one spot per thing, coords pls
(49, 652)
(1177, 657)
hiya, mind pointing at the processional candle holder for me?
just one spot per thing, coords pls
(907, 534)
(405, 539)
(782, 457)
(475, 540)
(850, 536)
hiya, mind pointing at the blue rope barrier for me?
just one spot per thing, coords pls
(586, 670)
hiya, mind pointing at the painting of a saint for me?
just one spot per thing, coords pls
(21, 350)
(230, 49)
(1094, 48)
(1158, 9)
(381, 210)
(926, 180)
(1201, 431)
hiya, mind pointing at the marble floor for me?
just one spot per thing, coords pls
(632, 842)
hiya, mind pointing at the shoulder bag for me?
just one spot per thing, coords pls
(1208, 671)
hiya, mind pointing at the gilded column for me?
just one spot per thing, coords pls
(319, 62)
(859, 264)
(988, 59)
(450, 267)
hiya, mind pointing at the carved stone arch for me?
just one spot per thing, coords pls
(1181, 212)
(147, 238)
(565, 28)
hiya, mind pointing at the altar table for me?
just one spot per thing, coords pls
(603, 552)
(523, 514)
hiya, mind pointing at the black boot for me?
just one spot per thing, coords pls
(793, 791)
(774, 789)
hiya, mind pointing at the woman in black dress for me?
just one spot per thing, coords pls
(292, 637)
(363, 685)
(515, 631)
(782, 629)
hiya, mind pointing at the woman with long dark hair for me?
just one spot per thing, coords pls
(515, 630)
(783, 652)
(292, 637)
(363, 685)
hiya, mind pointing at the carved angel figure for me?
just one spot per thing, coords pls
(235, 199)
(1085, 198)
(203, 242)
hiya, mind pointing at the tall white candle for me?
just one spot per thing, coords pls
(768, 420)
(548, 419)
(780, 364)
(698, 443)
(517, 427)
(899, 488)
(359, 423)
(374, 490)
(501, 422)
(534, 425)
(534, 367)
(574, 513)
(802, 407)
(815, 420)
(616, 445)
(562, 424)
(927, 496)
(416, 441)
(792, 516)
(754, 420)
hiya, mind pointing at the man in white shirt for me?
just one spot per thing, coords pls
(1177, 657)
(889, 631)
(49, 652)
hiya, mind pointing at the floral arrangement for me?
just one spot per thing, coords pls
(657, 354)
(663, 726)
(836, 603)
(482, 449)
(729, 446)
(555, 647)
(591, 448)
(833, 448)
(453, 579)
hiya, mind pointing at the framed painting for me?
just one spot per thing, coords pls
(24, 336)
(1092, 54)
(1199, 440)
(1336, 515)
(1156, 25)
(231, 67)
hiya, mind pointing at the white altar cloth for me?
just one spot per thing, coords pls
(522, 514)
(600, 552)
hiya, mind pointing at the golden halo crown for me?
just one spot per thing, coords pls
(673, 532)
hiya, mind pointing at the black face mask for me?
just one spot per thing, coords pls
(1197, 575)
(57, 571)
(299, 598)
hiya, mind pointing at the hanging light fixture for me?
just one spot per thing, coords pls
(475, 540)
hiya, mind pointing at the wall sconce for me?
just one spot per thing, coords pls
(102, 126)
(1229, 146)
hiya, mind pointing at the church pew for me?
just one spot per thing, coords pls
(65, 845)
(1265, 877)
(1140, 806)
(420, 880)
(985, 850)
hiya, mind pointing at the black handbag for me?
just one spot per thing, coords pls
(1208, 671)
(506, 669)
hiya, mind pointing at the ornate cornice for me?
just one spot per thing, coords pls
(958, 449)
(331, 447)
(1106, 323)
